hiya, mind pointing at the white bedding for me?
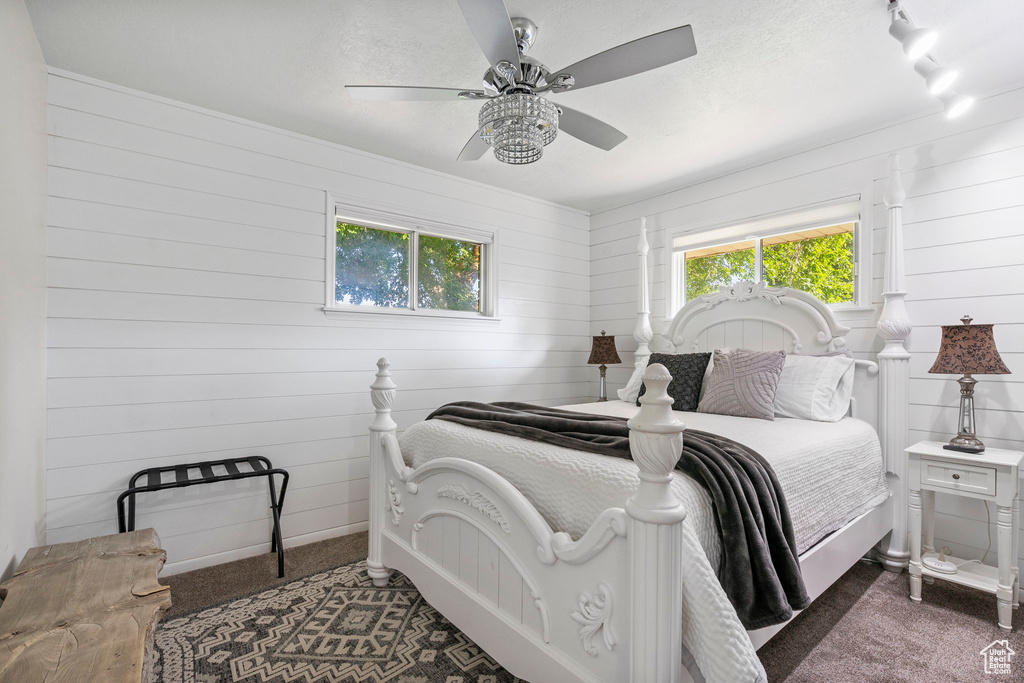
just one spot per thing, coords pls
(829, 474)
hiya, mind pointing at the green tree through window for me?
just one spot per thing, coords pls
(448, 274)
(371, 266)
(704, 274)
(820, 262)
(822, 266)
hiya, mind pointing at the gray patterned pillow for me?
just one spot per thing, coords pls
(743, 383)
(687, 370)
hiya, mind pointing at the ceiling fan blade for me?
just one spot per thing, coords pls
(588, 129)
(402, 93)
(634, 57)
(474, 149)
(491, 26)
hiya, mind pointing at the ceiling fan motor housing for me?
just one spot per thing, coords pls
(525, 32)
(534, 76)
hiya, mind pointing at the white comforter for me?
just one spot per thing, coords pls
(829, 473)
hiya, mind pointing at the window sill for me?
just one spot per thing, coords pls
(426, 316)
(851, 309)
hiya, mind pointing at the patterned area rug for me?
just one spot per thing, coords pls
(334, 627)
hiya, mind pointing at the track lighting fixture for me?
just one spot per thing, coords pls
(916, 41)
(916, 44)
(954, 104)
(937, 78)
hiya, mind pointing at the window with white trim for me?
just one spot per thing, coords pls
(817, 249)
(391, 264)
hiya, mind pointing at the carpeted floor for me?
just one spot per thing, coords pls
(863, 629)
(205, 587)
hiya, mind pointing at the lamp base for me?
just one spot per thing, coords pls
(966, 439)
(965, 443)
(964, 449)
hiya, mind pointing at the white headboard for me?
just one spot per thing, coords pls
(751, 316)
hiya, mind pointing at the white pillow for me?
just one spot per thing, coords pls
(632, 388)
(815, 388)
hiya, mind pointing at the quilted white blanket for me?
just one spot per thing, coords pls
(829, 472)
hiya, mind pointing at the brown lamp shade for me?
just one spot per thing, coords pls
(968, 350)
(603, 352)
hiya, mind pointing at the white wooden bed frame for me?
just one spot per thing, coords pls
(608, 607)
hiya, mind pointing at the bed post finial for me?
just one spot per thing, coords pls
(894, 327)
(642, 333)
(382, 393)
(655, 536)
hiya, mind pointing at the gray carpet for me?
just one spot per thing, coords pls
(205, 587)
(863, 629)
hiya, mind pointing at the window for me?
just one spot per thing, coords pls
(815, 250)
(406, 266)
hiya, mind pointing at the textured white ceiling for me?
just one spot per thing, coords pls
(770, 77)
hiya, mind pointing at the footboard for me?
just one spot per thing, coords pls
(607, 607)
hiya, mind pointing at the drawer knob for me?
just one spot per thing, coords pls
(956, 476)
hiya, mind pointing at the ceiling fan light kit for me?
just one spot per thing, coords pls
(517, 121)
(916, 43)
(518, 126)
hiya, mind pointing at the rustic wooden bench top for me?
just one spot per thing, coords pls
(82, 611)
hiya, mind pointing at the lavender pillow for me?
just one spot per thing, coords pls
(743, 383)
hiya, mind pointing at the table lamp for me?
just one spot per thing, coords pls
(604, 354)
(967, 350)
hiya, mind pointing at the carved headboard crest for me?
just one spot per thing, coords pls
(811, 325)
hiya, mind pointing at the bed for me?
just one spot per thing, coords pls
(610, 580)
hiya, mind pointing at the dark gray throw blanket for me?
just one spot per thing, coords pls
(759, 569)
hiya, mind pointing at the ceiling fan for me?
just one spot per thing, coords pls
(516, 121)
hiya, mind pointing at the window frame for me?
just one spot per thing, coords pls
(414, 227)
(862, 238)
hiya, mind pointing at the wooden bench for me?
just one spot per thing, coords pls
(83, 611)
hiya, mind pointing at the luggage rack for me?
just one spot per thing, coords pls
(259, 466)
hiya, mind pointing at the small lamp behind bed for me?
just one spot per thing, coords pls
(968, 350)
(603, 353)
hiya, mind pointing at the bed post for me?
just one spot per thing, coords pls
(894, 327)
(642, 333)
(382, 392)
(655, 537)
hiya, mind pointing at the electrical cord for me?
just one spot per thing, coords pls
(988, 526)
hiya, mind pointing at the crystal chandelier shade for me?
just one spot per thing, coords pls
(518, 126)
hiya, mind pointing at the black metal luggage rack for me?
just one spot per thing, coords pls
(259, 467)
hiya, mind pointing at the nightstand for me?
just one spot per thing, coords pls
(991, 475)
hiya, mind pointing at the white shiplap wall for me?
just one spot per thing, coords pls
(186, 280)
(964, 233)
(22, 287)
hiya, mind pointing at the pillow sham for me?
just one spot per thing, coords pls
(815, 387)
(711, 367)
(743, 383)
(687, 371)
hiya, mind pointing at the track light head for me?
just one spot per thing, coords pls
(916, 41)
(954, 104)
(937, 78)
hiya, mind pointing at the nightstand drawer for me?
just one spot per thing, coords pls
(958, 477)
